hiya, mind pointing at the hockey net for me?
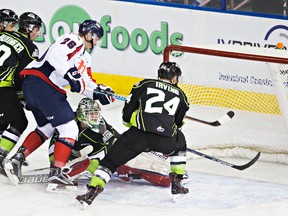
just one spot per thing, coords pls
(252, 82)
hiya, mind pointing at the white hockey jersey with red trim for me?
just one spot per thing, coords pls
(65, 53)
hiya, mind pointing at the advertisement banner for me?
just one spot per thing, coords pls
(136, 34)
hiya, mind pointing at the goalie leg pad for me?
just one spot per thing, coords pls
(152, 177)
(76, 167)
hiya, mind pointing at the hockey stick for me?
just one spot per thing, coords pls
(238, 167)
(229, 115)
(118, 97)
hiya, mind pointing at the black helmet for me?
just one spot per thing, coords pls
(91, 26)
(7, 15)
(168, 70)
(29, 20)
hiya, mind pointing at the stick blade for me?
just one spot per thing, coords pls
(250, 163)
(231, 114)
(224, 119)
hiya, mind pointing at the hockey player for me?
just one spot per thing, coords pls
(17, 50)
(8, 20)
(95, 139)
(154, 113)
(66, 62)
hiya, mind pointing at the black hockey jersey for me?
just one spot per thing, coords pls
(100, 141)
(16, 52)
(156, 106)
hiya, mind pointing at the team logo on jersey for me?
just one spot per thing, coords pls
(81, 66)
(50, 117)
(160, 129)
(107, 135)
(35, 53)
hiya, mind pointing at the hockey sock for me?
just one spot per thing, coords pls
(7, 144)
(97, 181)
(62, 151)
(179, 169)
(93, 166)
(33, 141)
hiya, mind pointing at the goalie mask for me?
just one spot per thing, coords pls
(167, 70)
(89, 112)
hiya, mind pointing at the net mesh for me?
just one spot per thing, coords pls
(246, 80)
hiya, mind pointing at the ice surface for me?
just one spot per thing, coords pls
(215, 189)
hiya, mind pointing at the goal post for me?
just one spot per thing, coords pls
(250, 81)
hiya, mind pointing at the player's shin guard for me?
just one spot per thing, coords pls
(62, 151)
(33, 141)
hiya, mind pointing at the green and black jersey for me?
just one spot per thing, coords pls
(100, 141)
(156, 106)
(16, 52)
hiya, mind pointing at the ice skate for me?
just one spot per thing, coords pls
(58, 182)
(177, 189)
(87, 199)
(3, 155)
(13, 166)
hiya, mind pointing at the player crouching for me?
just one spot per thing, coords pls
(95, 139)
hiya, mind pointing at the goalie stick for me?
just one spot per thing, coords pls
(229, 115)
(238, 167)
(43, 177)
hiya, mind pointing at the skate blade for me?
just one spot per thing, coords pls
(8, 167)
(81, 205)
(178, 197)
(54, 188)
(3, 173)
(125, 179)
(186, 181)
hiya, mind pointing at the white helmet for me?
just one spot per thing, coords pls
(89, 112)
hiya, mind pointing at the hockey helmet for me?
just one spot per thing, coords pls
(8, 16)
(89, 112)
(168, 70)
(91, 26)
(29, 20)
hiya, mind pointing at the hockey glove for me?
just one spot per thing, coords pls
(22, 100)
(104, 94)
(73, 76)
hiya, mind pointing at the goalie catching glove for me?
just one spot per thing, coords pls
(104, 94)
(73, 76)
